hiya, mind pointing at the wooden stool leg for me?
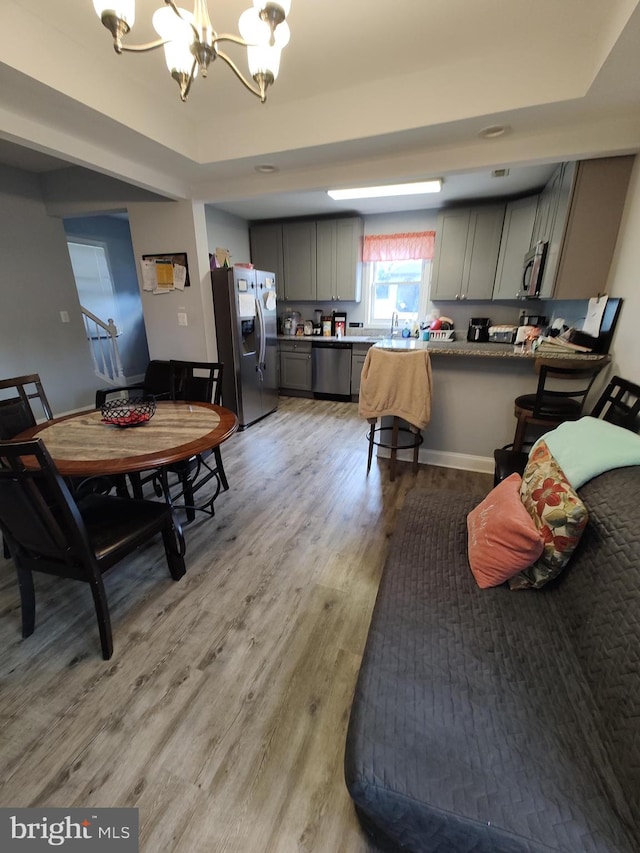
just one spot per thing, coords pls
(521, 428)
(372, 425)
(415, 431)
(394, 449)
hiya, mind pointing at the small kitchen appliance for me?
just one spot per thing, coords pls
(504, 334)
(478, 331)
(339, 324)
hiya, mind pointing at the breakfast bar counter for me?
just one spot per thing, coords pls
(476, 350)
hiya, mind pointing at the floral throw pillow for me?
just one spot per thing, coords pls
(558, 513)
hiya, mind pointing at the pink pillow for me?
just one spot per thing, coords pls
(503, 538)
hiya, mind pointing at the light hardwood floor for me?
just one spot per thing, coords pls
(222, 714)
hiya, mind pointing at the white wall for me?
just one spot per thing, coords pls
(36, 284)
(624, 281)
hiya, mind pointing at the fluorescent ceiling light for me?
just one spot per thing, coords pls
(390, 190)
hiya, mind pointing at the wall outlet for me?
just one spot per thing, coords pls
(64, 317)
(182, 319)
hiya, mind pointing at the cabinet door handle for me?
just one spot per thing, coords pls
(457, 296)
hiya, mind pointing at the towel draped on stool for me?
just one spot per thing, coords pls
(396, 383)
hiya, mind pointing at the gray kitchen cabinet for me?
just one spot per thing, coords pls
(295, 365)
(466, 255)
(299, 249)
(266, 251)
(358, 356)
(549, 202)
(517, 232)
(338, 259)
(590, 202)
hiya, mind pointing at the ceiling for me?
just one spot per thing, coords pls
(362, 98)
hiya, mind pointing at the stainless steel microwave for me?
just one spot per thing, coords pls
(534, 269)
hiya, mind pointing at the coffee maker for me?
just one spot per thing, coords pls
(339, 324)
(478, 331)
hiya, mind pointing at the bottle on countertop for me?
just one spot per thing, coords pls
(406, 331)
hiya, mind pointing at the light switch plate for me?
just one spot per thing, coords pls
(64, 317)
(182, 319)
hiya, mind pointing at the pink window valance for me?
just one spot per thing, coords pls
(415, 245)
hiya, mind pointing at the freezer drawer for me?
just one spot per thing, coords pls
(331, 369)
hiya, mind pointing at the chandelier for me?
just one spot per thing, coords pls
(191, 44)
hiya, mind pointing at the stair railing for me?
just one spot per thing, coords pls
(103, 344)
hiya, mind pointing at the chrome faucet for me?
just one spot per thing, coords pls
(394, 324)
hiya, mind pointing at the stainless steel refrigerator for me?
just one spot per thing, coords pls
(244, 303)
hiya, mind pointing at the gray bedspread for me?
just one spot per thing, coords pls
(491, 720)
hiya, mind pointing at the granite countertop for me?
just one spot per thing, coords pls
(476, 350)
(451, 348)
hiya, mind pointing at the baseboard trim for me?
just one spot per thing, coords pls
(445, 459)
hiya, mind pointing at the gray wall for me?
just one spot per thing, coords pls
(36, 284)
(115, 233)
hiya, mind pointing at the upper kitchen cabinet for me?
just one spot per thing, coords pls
(582, 239)
(517, 231)
(466, 255)
(299, 247)
(338, 259)
(266, 251)
(553, 198)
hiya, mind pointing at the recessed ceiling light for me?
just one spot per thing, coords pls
(417, 188)
(266, 168)
(492, 131)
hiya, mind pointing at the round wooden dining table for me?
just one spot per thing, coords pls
(81, 445)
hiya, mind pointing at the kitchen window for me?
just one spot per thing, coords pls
(400, 286)
(397, 270)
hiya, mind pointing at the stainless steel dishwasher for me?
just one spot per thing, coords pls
(331, 365)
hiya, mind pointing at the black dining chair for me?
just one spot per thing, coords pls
(48, 531)
(200, 382)
(619, 404)
(156, 382)
(17, 411)
(18, 397)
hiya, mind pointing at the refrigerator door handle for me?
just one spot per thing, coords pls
(262, 353)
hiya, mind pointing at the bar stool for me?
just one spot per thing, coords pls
(549, 406)
(396, 383)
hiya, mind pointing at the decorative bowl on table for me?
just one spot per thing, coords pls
(133, 411)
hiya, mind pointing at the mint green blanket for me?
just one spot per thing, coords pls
(588, 447)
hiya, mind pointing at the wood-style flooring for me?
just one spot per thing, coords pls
(222, 714)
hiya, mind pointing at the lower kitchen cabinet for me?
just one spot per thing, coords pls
(295, 366)
(358, 356)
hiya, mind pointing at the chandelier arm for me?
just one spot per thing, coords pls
(254, 90)
(192, 77)
(235, 39)
(141, 48)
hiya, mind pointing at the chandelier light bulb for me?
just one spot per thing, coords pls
(179, 58)
(264, 60)
(169, 26)
(285, 5)
(125, 10)
(256, 31)
(252, 28)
